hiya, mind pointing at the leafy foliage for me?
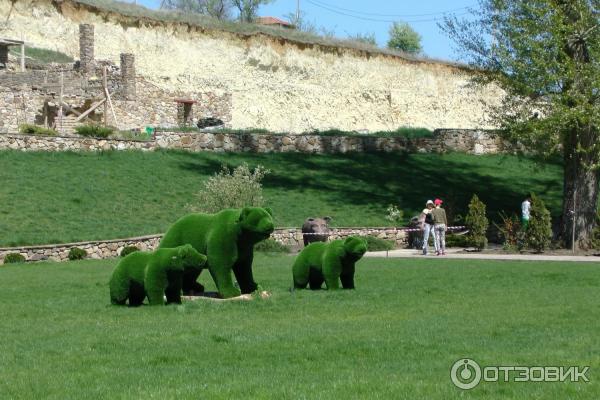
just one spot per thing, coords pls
(539, 230)
(128, 250)
(394, 214)
(404, 38)
(511, 230)
(238, 188)
(94, 131)
(477, 223)
(220, 9)
(30, 129)
(272, 246)
(544, 56)
(77, 254)
(13, 258)
(377, 244)
(248, 9)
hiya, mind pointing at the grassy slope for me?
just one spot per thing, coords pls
(395, 337)
(60, 197)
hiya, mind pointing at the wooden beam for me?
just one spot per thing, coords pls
(92, 108)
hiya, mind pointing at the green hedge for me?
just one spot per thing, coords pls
(94, 131)
(272, 246)
(378, 244)
(77, 254)
(13, 258)
(30, 129)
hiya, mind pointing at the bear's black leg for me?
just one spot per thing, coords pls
(173, 290)
(242, 270)
(136, 294)
(347, 281)
(315, 279)
(189, 284)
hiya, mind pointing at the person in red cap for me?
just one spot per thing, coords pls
(440, 224)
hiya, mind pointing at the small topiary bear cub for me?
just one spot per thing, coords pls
(328, 262)
(152, 274)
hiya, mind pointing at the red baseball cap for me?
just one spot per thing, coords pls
(437, 202)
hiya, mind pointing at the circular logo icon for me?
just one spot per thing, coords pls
(465, 374)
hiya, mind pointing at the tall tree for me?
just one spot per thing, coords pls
(545, 56)
(403, 37)
(248, 9)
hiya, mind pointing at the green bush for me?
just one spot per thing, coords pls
(539, 230)
(13, 258)
(231, 189)
(377, 244)
(128, 250)
(77, 254)
(272, 246)
(30, 129)
(477, 223)
(94, 131)
(454, 240)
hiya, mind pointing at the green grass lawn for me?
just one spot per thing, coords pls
(64, 197)
(394, 337)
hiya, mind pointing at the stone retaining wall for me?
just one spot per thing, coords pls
(473, 142)
(113, 248)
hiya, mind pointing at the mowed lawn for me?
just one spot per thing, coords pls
(65, 197)
(395, 337)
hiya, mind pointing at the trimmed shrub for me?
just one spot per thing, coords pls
(232, 189)
(128, 250)
(30, 129)
(272, 246)
(477, 223)
(77, 254)
(94, 131)
(539, 230)
(394, 214)
(377, 244)
(13, 258)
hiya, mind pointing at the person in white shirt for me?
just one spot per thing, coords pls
(427, 226)
(525, 212)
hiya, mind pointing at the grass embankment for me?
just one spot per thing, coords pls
(43, 56)
(395, 337)
(64, 197)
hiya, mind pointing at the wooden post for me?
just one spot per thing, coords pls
(60, 101)
(105, 84)
(23, 57)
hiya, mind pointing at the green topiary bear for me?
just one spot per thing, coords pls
(152, 274)
(227, 238)
(328, 262)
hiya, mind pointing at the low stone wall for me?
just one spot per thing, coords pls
(112, 248)
(473, 142)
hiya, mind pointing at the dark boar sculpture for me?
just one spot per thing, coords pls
(317, 228)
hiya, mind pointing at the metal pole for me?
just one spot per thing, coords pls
(297, 12)
(574, 220)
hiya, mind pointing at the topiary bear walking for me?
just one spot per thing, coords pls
(227, 238)
(152, 274)
(328, 262)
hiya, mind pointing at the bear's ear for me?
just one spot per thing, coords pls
(328, 219)
(245, 212)
(269, 211)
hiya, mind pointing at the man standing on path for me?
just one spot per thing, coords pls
(525, 212)
(427, 227)
(439, 223)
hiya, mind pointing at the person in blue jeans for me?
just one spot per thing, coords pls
(428, 226)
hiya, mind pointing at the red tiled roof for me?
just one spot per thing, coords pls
(272, 21)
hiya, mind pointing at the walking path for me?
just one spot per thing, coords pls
(458, 254)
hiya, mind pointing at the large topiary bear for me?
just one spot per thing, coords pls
(227, 238)
(328, 262)
(152, 274)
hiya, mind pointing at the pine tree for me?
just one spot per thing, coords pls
(539, 230)
(477, 223)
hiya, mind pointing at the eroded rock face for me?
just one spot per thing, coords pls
(315, 230)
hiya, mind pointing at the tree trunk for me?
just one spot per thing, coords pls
(580, 193)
